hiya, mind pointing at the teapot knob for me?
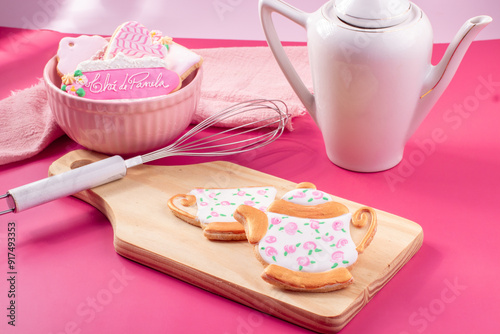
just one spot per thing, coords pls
(373, 13)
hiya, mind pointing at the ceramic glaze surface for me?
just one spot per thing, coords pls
(365, 99)
(372, 76)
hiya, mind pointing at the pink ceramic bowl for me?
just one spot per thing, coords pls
(123, 126)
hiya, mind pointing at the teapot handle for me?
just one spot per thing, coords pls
(186, 200)
(266, 8)
(359, 219)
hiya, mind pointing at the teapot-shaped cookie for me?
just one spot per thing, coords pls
(372, 75)
(304, 239)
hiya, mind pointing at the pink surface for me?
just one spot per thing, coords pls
(70, 280)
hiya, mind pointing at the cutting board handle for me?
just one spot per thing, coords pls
(74, 159)
(66, 179)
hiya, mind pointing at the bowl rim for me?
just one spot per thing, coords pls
(183, 90)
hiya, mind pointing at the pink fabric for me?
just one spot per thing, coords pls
(27, 125)
(237, 74)
(231, 75)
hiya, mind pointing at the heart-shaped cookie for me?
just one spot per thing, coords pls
(133, 40)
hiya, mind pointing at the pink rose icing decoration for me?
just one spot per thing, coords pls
(317, 194)
(309, 245)
(156, 36)
(307, 197)
(338, 225)
(303, 261)
(291, 228)
(71, 89)
(81, 80)
(327, 238)
(270, 239)
(314, 224)
(275, 221)
(271, 251)
(299, 194)
(342, 243)
(337, 256)
(290, 249)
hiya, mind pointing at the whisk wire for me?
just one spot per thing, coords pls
(221, 144)
(217, 137)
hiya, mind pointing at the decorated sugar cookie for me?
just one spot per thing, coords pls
(215, 208)
(122, 78)
(134, 40)
(304, 239)
(135, 63)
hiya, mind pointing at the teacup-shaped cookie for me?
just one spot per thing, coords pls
(215, 208)
(304, 239)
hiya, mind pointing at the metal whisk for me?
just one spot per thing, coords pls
(242, 138)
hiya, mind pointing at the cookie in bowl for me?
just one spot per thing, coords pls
(121, 102)
(134, 63)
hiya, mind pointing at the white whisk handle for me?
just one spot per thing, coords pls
(68, 183)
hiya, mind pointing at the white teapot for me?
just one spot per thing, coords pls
(372, 75)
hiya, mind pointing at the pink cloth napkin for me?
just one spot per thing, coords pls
(237, 74)
(231, 75)
(26, 123)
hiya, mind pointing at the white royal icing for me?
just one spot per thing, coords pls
(218, 205)
(308, 245)
(181, 59)
(121, 61)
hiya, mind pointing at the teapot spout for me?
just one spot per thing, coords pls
(439, 76)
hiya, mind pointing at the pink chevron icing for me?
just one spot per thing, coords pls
(133, 40)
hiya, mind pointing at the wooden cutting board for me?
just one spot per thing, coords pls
(147, 232)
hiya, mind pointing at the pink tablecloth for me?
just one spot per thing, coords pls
(70, 280)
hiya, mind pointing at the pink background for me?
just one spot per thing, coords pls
(70, 279)
(220, 19)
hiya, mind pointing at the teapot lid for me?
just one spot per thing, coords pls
(373, 13)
